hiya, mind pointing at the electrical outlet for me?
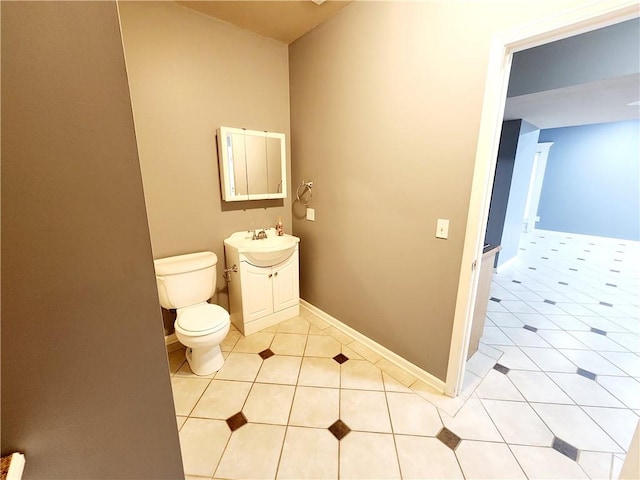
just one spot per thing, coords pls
(442, 228)
(311, 214)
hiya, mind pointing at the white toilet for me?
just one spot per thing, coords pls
(186, 282)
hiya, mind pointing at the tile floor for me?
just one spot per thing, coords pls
(553, 392)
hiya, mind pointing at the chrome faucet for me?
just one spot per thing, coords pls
(260, 235)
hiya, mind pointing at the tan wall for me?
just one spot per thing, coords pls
(386, 101)
(85, 379)
(190, 74)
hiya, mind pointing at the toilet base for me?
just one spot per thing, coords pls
(205, 361)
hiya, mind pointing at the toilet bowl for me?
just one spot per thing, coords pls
(185, 283)
(202, 328)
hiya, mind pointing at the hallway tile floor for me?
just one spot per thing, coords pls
(553, 391)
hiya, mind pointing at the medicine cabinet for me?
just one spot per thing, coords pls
(252, 164)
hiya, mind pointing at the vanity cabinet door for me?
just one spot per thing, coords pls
(286, 285)
(257, 292)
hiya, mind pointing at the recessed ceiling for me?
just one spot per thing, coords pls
(284, 21)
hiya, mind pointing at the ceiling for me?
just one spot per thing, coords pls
(596, 102)
(284, 21)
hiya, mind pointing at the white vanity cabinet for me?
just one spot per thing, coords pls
(263, 283)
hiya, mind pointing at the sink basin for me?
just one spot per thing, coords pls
(263, 252)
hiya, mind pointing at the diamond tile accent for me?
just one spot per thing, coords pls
(598, 331)
(573, 269)
(494, 299)
(530, 328)
(266, 354)
(611, 285)
(586, 373)
(563, 283)
(582, 259)
(545, 258)
(339, 429)
(550, 302)
(615, 271)
(236, 421)
(565, 448)
(341, 358)
(516, 281)
(554, 249)
(449, 438)
(532, 268)
(606, 304)
(501, 368)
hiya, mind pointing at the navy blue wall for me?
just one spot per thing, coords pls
(592, 181)
(518, 143)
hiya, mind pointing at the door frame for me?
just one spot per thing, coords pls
(574, 22)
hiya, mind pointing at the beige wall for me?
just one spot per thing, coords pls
(86, 392)
(385, 109)
(190, 74)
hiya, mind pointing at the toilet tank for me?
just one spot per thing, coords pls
(186, 280)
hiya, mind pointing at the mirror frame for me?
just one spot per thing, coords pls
(227, 182)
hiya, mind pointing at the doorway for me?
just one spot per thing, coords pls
(572, 23)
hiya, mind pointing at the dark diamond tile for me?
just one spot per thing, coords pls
(266, 354)
(532, 268)
(612, 285)
(563, 283)
(522, 249)
(494, 299)
(573, 269)
(615, 271)
(619, 251)
(530, 328)
(541, 236)
(501, 368)
(606, 304)
(586, 373)
(592, 244)
(236, 421)
(551, 302)
(588, 251)
(598, 331)
(562, 243)
(583, 259)
(516, 281)
(554, 249)
(532, 242)
(339, 429)
(341, 358)
(545, 258)
(565, 448)
(617, 259)
(449, 438)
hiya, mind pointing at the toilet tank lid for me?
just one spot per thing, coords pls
(185, 263)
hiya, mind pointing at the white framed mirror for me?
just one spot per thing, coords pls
(253, 164)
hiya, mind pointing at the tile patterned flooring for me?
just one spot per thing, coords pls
(553, 392)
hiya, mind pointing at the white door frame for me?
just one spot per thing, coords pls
(590, 17)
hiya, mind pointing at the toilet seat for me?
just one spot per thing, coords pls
(202, 319)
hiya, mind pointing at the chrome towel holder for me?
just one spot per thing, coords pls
(302, 189)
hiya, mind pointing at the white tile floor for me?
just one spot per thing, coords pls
(512, 421)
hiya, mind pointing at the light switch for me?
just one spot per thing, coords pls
(442, 228)
(311, 214)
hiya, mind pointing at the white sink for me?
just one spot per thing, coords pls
(263, 252)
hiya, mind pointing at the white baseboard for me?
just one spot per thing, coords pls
(384, 352)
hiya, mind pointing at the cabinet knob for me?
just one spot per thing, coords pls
(275, 274)
(270, 275)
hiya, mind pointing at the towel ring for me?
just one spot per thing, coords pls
(302, 189)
